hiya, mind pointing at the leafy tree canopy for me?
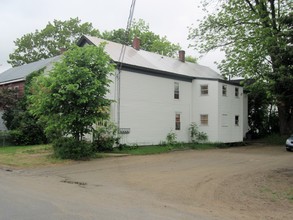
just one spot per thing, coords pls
(149, 40)
(71, 97)
(60, 35)
(257, 38)
(48, 41)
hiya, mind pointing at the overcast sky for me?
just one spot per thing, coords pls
(169, 18)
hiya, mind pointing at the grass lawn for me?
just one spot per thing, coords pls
(42, 155)
(157, 149)
(28, 156)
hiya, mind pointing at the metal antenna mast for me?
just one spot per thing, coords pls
(121, 58)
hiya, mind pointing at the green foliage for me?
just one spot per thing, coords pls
(262, 114)
(70, 148)
(171, 138)
(149, 40)
(23, 126)
(158, 149)
(196, 135)
(48, 41)
(105, 137)
(275, 139)
(191, 59)
(71, 98)
(256, 37)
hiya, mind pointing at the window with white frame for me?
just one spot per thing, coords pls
(224, 120)
(176, 90)
(236, 92)
(177, 121)
(237, 120)
(204, 119)
(204, 89)
(224, 90)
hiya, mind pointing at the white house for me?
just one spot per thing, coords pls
(156, 94)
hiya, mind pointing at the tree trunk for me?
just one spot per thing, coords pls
(285, 118)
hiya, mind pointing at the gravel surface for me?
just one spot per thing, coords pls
(252, 182)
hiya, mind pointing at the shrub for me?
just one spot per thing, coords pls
(105, 137)
(70, 148)
(171, 138)
(196, 135)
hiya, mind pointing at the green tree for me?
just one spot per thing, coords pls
(49, 41)
(149, 40)
(70, 99)
(22, 126)
(262, 114)
(257, 38)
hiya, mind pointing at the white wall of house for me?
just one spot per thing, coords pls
(148, 108)
(206, 105)
(230, 107)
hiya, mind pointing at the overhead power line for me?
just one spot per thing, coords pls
(121, 58)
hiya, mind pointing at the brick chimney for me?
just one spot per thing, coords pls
(136, 43)
(182, 55)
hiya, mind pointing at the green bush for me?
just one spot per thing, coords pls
(105, 137)
(70, 148)
(27, 136)
(171, 138)
(196, 135)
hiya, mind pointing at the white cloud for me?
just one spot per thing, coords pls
(165, 17)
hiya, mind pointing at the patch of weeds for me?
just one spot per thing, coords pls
(275, 139)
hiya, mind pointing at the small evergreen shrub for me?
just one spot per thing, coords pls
(70, 148)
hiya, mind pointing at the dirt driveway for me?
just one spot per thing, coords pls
(253, 182)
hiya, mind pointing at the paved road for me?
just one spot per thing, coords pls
(190, 185)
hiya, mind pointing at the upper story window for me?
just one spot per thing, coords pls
(204, 119)
(236, 92)
(176, 90)
(177, 121)
(224, 90)
(237, 120)
(204, 89)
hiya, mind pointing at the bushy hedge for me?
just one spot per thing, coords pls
(70, 148)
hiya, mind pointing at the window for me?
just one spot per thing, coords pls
(176, 90)
(177, 121)
(237, 92)
(237, 120)
(224, 90)
(204, 89)
(16, 90)
(204, 119)
(224, 120)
